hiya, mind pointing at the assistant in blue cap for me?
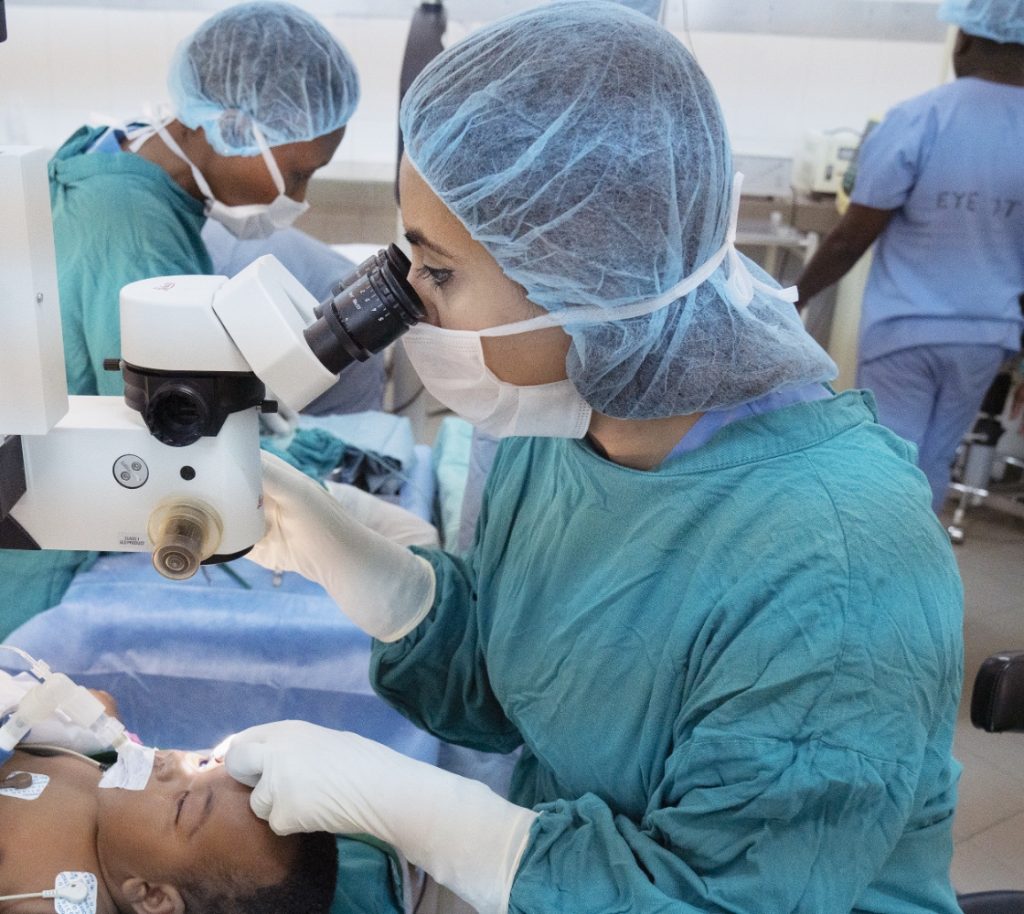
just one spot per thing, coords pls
(939, 186)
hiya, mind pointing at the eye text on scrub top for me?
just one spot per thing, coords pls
(974, 202)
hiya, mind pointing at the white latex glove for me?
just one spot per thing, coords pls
(308, 778)
(381, 586)
(397, 524)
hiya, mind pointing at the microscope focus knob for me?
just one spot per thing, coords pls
(177, 415)
(184, 533)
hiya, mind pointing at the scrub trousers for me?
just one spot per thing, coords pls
(930, 396)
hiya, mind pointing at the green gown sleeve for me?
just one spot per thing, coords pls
(443, 662)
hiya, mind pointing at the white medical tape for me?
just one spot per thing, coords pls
(132, 769)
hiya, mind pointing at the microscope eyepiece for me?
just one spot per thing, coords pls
(367, 310)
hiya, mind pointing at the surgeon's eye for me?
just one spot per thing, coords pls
(436, 276)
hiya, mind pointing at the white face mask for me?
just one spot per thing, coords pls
(451, 365)
(248, 221)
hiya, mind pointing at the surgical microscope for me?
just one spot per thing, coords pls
(173, 467)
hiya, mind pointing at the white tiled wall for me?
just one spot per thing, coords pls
(773, 88)
(64, 65)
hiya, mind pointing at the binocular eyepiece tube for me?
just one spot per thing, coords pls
(367, 310)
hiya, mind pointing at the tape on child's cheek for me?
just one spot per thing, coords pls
(132, 769)
(76, 901)
(32, 792)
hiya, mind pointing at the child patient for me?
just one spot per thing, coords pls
(186, 844)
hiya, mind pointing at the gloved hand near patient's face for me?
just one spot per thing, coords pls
(381, 586)
(309, 778)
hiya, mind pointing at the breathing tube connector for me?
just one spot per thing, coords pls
(56, 694)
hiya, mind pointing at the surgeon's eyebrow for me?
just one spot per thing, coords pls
(205, 814)
(416, 239)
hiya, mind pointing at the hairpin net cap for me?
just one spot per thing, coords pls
(272, 64)
(1000, 20)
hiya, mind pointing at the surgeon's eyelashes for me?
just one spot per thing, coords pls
(435, 276)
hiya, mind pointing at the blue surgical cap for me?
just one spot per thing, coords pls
(1000, 20)
(583, 147)
(271, 64)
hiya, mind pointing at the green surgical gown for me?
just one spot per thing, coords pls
(369, 878)
(734, 678)
(117, 218)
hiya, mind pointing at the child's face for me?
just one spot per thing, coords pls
(191, 822)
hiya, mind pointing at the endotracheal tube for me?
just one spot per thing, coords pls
(55, 695)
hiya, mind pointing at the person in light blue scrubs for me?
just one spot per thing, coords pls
(259, 88)
(940, 185)
(707, 599)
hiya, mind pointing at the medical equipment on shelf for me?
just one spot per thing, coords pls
(822, 162)
(56, 695)
(173, 467)
(72, 893)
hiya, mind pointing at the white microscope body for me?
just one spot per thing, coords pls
(173, 467)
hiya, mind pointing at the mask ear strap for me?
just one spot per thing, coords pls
(137, 138)
(268, 157)
(171, 143)
(739, 287)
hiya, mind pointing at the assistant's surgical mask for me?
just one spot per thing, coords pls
(246, 221)
(451, 362)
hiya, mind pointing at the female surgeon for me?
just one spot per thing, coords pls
(262, 94)
(707, 597)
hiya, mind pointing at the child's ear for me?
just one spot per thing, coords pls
(152, 898)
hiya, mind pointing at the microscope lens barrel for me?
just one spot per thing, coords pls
(184, 533)
(368, 309)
